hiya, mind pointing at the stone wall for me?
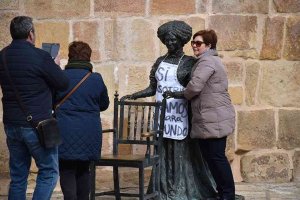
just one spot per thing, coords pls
(259, 41)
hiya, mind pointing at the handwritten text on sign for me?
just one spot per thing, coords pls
(176, 117)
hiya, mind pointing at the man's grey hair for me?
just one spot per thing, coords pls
(180, 29)
(20, 27)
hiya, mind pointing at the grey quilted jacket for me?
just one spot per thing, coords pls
(213, 112)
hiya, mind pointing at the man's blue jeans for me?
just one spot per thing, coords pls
(23, 144)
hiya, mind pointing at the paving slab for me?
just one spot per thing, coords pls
(250, 191)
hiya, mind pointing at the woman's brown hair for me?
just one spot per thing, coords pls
(79, 50)
(209, 37)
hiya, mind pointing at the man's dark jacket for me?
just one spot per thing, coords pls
(36, 77)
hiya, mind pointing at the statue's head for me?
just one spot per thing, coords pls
(174, 30)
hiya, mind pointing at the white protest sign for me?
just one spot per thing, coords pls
(176, 116)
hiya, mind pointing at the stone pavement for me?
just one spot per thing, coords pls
(251, 191)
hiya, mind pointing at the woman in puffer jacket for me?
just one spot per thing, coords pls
(80, 123)
(213, 113)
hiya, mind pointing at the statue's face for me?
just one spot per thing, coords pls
(172, 43)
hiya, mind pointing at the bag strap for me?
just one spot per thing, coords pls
(18, 96)
(73, 90)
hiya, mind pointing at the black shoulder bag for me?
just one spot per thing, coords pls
(48, 132)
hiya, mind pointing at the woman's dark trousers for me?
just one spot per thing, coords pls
(74, 179)
(213, 151)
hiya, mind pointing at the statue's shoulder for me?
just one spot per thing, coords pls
(156, 64)
(189, 61)
(189, 58)
(160, 59)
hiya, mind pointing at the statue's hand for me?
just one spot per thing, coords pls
(168, 94)
(176, 95)
(129, 97)
(125, 97)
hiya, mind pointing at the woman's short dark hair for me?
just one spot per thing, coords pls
(209, 37)
(180, 29)
(20, 27)
(79, 50)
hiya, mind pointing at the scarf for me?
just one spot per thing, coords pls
(79, 64)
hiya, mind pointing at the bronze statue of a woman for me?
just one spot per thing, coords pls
(184, 173)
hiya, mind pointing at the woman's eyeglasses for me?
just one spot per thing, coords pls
(197, 43)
